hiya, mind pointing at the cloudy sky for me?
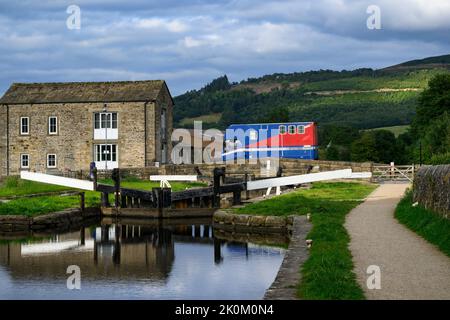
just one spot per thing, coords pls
(189, 43)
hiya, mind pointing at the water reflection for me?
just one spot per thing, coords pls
(123, 261)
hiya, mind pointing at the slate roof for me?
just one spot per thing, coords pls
(73, 92)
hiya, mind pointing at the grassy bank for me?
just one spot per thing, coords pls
(14, 186)
(46, 204)
(425, 223)
(328, 272)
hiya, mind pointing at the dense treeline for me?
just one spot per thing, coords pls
(431, 127)
(312, 76)
(428, 140)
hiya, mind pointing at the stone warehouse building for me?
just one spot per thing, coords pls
(50, 127)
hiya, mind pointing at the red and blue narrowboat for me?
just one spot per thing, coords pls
(295, 140)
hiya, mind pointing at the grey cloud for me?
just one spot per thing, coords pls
(190, 42)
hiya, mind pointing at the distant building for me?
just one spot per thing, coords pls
(48, 127)
(200, 144)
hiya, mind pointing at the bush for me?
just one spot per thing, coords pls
(443, 158)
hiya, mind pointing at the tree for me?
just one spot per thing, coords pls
(218, 84)
(431, 127)
(436, 138)
(364, 149)
(280, 114)
(386, 147)
(378, 146)
(332, 153)
(433, 102)
(339, 135)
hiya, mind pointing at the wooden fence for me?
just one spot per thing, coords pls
(393, 172)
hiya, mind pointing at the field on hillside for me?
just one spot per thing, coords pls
(396, 130)
(360, 110)
(413, 79)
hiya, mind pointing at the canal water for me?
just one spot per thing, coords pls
(137, 262)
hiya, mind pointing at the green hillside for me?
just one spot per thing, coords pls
(361, 98)
(445, 59)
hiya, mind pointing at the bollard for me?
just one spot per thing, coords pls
(237, 197)
(162, 199)
(105, 199)
(218, 173)
(82, 203)
(116, 178)
(247, 193)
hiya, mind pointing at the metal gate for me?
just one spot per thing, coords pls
(393, 172)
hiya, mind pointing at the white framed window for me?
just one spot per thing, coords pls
(106, 156)
(105, 125)
(253, 135)
(282, 129)
(105, 120)
(24, 161)
(301, 129)
(51, 160)
(52, 125)
(106, 152)
(96, 120)
(291, 129)
(114, 120)
(24, 125)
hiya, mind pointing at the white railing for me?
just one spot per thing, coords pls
(57, 180)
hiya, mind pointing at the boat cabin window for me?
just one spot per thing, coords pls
(291, 129)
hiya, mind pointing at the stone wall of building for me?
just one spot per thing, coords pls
(155, 136)
(432, 188)
(151, 139)
(74, 143)
(163, 101)
(3, 139)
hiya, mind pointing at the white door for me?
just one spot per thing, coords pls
(106, 156)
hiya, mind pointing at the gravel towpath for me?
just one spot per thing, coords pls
(410, 267)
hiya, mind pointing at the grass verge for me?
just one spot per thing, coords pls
(14, 186)
(328, 272)
(46, 204)
(425, 223)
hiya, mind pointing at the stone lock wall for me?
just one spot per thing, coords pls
(251, 223)
(432, 188)
(290, 167)
(56, 220)
(258, 170)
